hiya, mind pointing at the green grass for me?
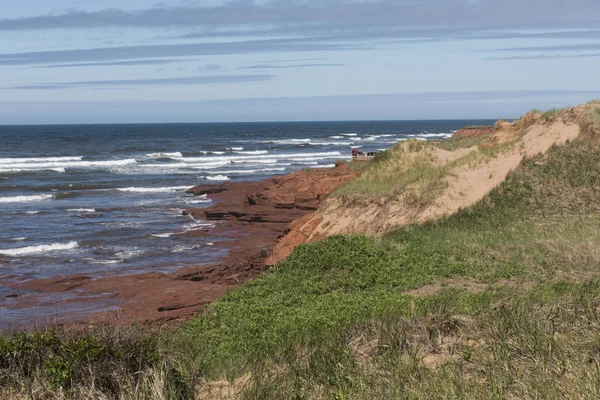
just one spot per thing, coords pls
(540, 226)
(407, 168)
(459, 143)
(105, 362)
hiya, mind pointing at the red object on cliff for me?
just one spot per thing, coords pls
(355, 151)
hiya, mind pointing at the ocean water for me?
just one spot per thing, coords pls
(108, 199)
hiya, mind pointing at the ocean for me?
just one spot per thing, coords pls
(108, 199)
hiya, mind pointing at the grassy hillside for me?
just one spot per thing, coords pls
(500, 300)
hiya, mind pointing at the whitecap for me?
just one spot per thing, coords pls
(217, 178)
(23, 199)
(255, 152)
(18, 239)
(197, 201)
(38, 160)
(235, 148)
(324, 166)
(153, 190)
(165, 155)
(81, 210)
(162, 235)
(39, 249)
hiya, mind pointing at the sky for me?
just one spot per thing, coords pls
(141, 61)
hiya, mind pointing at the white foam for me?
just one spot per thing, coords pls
(153, 190)
(81, 210)
(433, 135)
(247, 171)
(330, 143)
(287, 141)
(18, 239)
(125, 254)
(179, 249)
(217, 178)
(165, 155)
(255, 152)
(235, 148)
(336, 137)
(61, 165)
(38, 160)
(105, 262)
(217, 152)
(25, 199)
(162, 235)
(196, 201)
(349, 134)
(39, 249)
(324, 166)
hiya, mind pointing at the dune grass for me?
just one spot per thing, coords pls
(453, 144)
(408, 168)
(295, 328)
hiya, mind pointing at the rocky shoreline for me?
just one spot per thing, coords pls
(252, 216)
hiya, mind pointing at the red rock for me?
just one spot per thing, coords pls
(473, 131)
(254, 215)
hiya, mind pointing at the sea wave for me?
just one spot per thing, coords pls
(17, 170)
(287, 141)
(247, 171)
(164, 155)
(162, 235)
(153, 190)
(217, 178)
(197, 201)
(39, 249)
(37, 160)
(61, 165)
(25, 199)
(81, 210)
(254, 152)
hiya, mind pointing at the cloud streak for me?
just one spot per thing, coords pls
(275, 66)
(545, 57)
(515, 13)
(110, 54)
(188, 80)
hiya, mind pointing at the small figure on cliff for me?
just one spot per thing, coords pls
(354, 152)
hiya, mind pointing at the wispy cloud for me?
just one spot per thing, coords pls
(276, 66)
(118, 63)
(545, 57)
(565, 47)
(187, 80)
(110, 54)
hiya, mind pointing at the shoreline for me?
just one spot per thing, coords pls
(252, 215)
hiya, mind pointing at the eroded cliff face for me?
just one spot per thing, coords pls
(473, 132)
(470, 173)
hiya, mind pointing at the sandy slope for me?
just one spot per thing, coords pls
(486, 167)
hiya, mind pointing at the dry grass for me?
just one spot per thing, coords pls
(589, 123)
(107, 362)
(406, 169)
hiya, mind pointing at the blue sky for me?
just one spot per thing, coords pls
(101, 61)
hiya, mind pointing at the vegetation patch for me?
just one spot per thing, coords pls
(407, 168)
(108, 362)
